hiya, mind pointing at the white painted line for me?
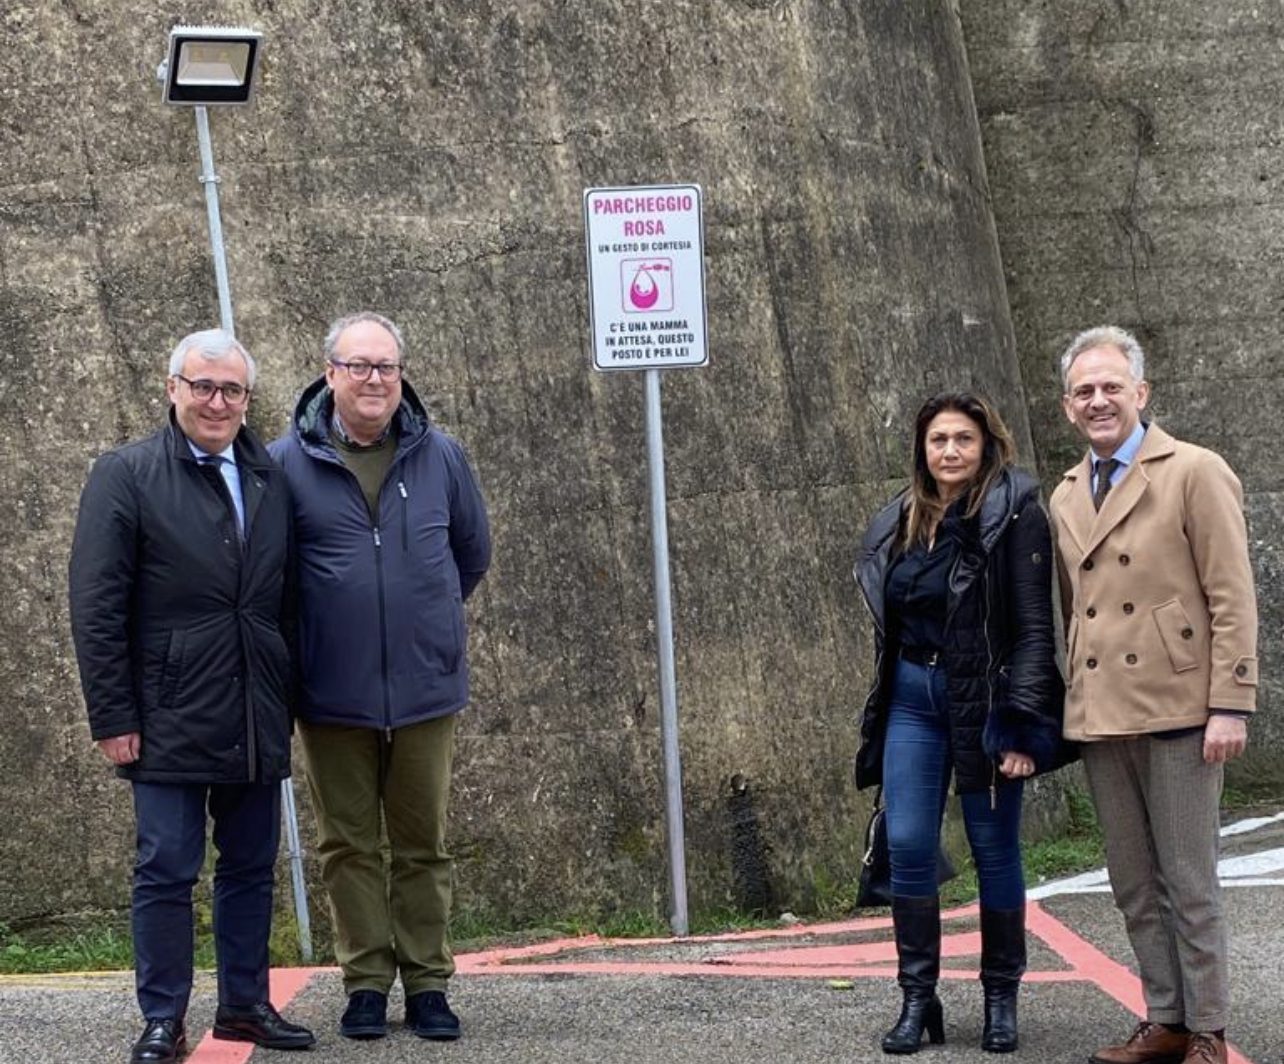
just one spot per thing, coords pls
(1252, 864)
(1251, 824)
(1084, 883)
(1248, 870)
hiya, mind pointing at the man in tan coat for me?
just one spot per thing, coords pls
(1157, 592)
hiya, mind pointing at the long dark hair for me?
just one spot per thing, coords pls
(997, 453)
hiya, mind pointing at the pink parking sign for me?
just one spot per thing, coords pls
(646, 276)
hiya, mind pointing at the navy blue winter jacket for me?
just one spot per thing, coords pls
(381, 636)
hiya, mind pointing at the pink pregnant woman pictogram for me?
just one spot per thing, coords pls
(647, 284)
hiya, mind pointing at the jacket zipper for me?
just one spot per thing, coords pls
(989, 683)
(405, 521)
(383, 634)
(247, 675)
(378, 549)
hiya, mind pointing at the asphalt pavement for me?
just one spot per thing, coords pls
(810, 993)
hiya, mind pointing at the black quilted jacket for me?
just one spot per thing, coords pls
(1004, 687)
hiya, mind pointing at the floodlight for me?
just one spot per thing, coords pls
(209, 65)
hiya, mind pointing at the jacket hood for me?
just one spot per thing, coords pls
(315, 408)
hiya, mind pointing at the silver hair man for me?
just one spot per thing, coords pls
(1105, 334)
(213, 344)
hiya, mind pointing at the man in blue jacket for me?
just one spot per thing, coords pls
(179, 610)
(392, 537)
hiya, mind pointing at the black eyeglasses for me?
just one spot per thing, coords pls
(233, 394)
(359, 369)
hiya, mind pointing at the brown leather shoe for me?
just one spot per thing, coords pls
(1205, 1049)
(1150, 1043)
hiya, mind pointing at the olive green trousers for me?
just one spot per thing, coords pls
(380, 801)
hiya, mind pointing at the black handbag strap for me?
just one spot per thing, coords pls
(871, 827)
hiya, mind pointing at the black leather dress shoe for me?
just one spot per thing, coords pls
(260, 1024)
(162, 1042)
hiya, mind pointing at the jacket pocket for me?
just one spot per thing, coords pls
(1178, 635)
(172, 670)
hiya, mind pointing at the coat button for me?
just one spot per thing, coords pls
(1088, 564)
(1129, 607)
(1091, 611)
(1124, 559)
(1241, 670)
(1092, 663)
(1188, 633)
(1131, 659)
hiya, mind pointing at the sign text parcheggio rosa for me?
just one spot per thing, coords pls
(642, 204)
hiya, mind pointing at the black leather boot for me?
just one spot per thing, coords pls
(918, 964)
(1002, 965)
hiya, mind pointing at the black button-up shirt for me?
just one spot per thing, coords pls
(918, 588)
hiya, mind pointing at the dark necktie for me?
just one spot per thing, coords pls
(1105, 470)
(216, 461)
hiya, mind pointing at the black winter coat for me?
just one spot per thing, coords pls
(1005, 690)
(178, 627)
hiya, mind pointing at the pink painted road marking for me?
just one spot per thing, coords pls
(1111, 976)
(798, 962)
(284, 985)
(874, 960)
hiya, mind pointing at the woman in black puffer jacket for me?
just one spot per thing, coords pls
(957, 573)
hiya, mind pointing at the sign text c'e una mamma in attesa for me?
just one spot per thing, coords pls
(646, 276)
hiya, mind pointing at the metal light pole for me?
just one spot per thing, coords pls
(210, 180)
(214, 66)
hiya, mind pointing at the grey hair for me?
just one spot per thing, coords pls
(1105, 334)
(214, 344)
(348, 320)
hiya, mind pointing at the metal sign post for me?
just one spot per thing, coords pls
(647, 311)
(664, 640)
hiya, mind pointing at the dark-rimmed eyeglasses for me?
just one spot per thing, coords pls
(202, 390)
(359, 369)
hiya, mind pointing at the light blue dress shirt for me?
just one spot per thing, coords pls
(231, 477)
(1125, 455)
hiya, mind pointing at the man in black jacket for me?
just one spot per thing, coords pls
(178, 604)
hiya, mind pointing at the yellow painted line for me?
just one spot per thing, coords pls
(79, 979)
(64, 979)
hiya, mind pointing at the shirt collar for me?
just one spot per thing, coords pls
(228, 454)
(1128, 449)
(336, 423)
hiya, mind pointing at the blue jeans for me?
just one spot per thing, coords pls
(916, 779)
(171, 850)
